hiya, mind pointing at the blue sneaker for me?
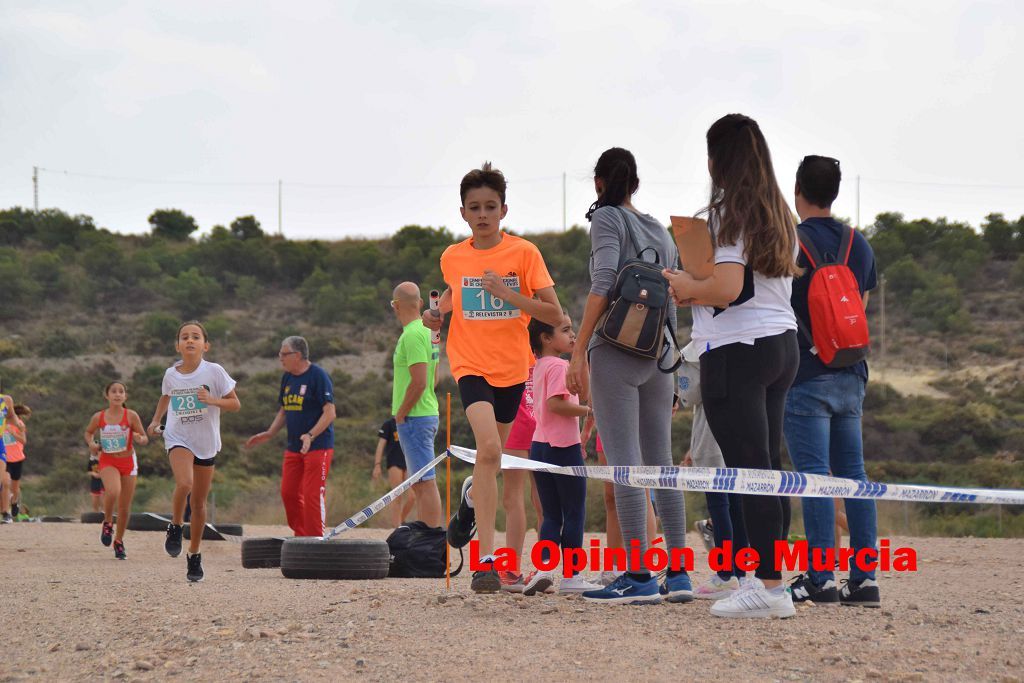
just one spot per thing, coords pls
(626, 591)
(677, 588)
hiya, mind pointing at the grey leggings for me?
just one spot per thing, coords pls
(632, 402)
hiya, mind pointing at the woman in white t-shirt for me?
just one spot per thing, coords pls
(746, 335)
(194, 393)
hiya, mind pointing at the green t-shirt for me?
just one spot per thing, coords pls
(415, 346)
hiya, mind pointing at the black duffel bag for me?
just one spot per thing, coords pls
(418, 552)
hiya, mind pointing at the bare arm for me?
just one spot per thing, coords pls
(136, 424)
(94, 424)
(721, 289)
(20, 436)
(545, 307)
(418, 373)
(13, 416)
(559, 405)
(158, 414)
(228, 403)
(327, 416)
(444, 307)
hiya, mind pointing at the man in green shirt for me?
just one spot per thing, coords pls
(413, 400)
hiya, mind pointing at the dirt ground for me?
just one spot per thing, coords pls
(70, 611)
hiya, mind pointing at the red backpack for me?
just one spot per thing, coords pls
(838, 331)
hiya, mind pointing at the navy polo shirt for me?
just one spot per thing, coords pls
(303, 398)
(826, 234)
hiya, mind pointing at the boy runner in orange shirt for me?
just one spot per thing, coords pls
(496, 284)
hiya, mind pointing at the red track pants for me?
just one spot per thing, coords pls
(303, 480)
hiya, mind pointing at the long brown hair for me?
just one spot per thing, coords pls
(745, 197)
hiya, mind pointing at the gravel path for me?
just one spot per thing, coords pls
(70, 611)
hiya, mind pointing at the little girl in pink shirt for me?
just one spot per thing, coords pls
(556, 441)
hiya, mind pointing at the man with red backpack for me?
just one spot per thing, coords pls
(825, 403)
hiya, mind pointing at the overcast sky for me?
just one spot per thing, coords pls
(371, 112)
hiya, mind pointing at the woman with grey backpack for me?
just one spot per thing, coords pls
(624, 353)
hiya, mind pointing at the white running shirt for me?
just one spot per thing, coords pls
(191, 423)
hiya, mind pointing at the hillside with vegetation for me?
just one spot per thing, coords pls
(83, 306)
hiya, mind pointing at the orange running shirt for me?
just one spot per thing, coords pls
(488, 335)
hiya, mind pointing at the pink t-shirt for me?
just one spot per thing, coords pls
(549, 380)
(521, 434)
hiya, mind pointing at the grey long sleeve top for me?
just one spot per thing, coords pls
(610, 248)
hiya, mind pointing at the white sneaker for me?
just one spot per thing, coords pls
(577, 584)
(754, 601)
(539, 582)
(716, 589)
(608, 576)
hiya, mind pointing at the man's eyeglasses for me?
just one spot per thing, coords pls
(285, 354)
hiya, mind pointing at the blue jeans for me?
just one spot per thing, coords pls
(822, 428)
(416, 436)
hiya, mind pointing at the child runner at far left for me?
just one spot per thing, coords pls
(556, 441)
(119, 430)
(194, 393)
(496, 283)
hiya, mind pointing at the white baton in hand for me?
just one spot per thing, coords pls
(435, 298)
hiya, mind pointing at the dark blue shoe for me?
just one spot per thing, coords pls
(626, 591)
(677, 588)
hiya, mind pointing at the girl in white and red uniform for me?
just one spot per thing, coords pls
(119, 430)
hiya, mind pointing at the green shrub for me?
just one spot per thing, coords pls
(59, 344)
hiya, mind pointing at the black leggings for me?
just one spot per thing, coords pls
(744, 391)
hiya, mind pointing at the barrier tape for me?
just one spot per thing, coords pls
(223, 536)
(761, 482)
(382, 502)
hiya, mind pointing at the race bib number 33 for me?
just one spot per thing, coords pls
(479, 304)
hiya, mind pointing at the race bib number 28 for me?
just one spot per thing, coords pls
(185, 402)
(479, 304)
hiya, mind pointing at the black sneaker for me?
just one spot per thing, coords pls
(462, 525)
(195, 567)
(802, 588)
(106, 533)
(486, 580)
(860, 593)
(119, 551)
(173, 543)
(15, 509)
(7, 519)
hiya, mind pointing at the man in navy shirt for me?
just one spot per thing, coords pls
(824, 405)
(307, 409)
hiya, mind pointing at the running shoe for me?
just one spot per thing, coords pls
(106, 533)
(577, 584)
(7, 519)
(607, 577)
(511, 582)
(754, 601)
(462, 525)
(195, 567)
(626, 590)
(485, 580)
(15, 508)
(677, 588)
(539, 582)
(119, 551)
(802, 588)
(715, 588)
(173, 542)
(860, 593)
(707, 533)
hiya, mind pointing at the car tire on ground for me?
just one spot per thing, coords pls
(261, 553)
(92, 517)
(311, 557)
(216, 533)
(147, 521)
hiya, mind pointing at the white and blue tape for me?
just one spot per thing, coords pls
(728, 479)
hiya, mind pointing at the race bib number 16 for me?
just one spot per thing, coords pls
(479, 304)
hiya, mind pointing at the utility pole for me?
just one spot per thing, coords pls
(858, 202)
(563, 201)
(35, 188)
(882, 283)
(280, 230)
